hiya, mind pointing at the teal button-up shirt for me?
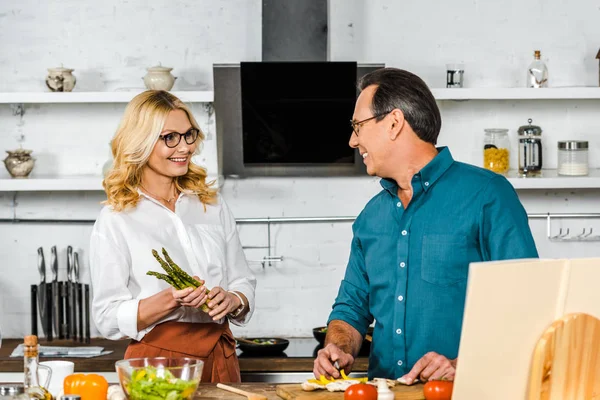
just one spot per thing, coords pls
(408, 267)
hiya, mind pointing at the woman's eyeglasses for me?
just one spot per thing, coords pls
(172, 139)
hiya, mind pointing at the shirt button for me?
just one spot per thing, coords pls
(402, 264)
(426, 183)
(398, 331)
(404, 233)
(400, 362)
(399, 204)
(400, 298)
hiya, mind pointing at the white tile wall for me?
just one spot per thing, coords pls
(110, 44)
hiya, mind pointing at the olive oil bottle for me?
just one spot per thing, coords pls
(31, 362)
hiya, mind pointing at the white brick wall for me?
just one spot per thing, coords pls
(111, 43)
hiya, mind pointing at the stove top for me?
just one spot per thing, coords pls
(298, 348)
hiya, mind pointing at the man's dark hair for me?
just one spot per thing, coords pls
(397, 88)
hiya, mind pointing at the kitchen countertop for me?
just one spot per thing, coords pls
(298, 357)
(210, 391)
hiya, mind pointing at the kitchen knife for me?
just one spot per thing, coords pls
(87, 313)
(79, 301)
(56, 301)
(41, 291)
(71, 295)
(69, 263)
(64, 310)
(34, 325)
(48, 303)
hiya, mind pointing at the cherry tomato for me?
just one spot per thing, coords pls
(361, 391)
(438, 390)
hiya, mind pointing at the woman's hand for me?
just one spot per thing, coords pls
(221, 303)
(191, 297)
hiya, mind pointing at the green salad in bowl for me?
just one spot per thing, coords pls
(159, 378)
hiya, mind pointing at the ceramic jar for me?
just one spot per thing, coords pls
(159, 78)
(19, 163)
(60, 79)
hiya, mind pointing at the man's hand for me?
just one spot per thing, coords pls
(327, 356)
(432, 366)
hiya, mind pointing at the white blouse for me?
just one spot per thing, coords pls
(202, 243)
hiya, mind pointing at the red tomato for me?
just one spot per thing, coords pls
(438, 390)
(361, 391)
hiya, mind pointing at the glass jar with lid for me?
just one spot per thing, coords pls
(530, 149)
(573, 157)
(496, 153)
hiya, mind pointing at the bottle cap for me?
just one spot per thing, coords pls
(31, 340)
(70, 397)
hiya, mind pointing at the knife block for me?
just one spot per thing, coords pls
(64, 310)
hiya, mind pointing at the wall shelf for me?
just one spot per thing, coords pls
(549, 180)
(557, 93)
(75, 183)
(95, 97)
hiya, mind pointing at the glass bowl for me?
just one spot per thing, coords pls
(159, 377)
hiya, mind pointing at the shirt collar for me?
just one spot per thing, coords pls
(428, 175)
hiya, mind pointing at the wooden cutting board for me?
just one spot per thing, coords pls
(293, 391)
(566, 360)
(210, 391)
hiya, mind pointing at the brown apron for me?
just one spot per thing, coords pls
(212, 343)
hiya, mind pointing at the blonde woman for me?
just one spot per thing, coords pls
(156, 197)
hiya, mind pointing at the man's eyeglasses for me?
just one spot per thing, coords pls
(357, 124)
(172, 139)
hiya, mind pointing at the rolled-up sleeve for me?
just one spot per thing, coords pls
(352, 302)
(504, 229)
(240, 277)
(114, 308)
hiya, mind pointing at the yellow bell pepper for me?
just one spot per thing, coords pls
(88, 386)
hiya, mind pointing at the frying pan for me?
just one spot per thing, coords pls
(247, 346)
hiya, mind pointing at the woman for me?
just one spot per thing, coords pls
(156, 197)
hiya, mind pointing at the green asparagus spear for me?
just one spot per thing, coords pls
(179, 271)
(163, 277)
(176, 277)
(179, 284)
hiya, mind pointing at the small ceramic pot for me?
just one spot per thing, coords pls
(19, 163)
(60, 79)
(159, 78)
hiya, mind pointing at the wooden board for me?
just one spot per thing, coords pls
(509, 305)
(293, 391)
(566, 360)
(211, 391)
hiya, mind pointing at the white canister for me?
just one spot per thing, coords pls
(573, 157)
(159, 78)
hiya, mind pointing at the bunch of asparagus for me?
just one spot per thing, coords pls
(175, 276)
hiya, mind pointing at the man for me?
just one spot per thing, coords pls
(413, 241)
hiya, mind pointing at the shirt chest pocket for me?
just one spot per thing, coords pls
(211, 238)
(444, 259)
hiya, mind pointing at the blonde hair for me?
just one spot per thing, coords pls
(133, 143)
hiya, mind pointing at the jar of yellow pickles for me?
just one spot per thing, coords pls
(496, 152)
